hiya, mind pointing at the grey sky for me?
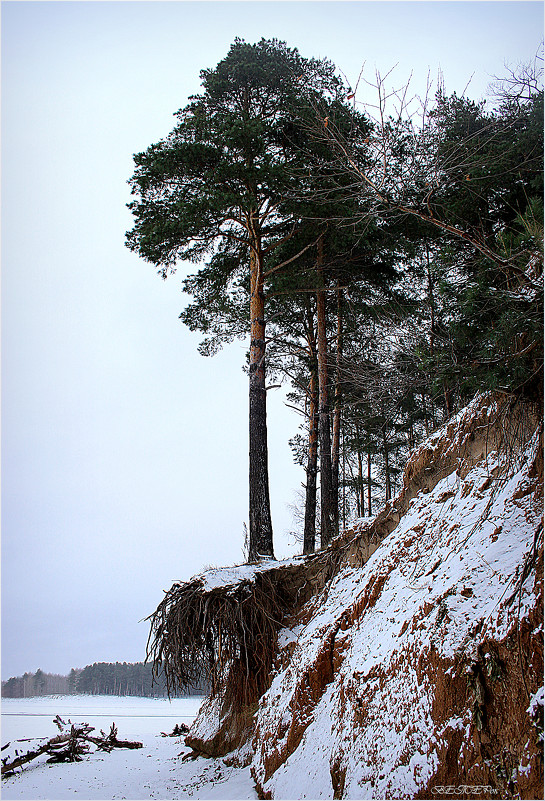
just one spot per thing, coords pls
(124, 451)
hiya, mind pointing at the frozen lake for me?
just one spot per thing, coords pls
(154, 771)
(134, 717)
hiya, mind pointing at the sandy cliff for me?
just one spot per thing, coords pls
(417, 662)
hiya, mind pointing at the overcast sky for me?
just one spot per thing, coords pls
(124, 451)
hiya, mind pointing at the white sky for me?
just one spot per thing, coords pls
(124, 451)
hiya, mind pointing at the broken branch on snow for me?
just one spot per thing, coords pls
(69, 746)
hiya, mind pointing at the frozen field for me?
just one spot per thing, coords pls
(154, 771)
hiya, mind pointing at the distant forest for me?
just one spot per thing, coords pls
(100, 678)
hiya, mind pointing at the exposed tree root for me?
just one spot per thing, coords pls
(229, 629)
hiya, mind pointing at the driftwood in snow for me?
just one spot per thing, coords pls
(9, 766)
(70, 745)
(178, 731)
(107, 742)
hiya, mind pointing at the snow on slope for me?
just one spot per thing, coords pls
(393, 662)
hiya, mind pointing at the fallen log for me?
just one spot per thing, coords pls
(68, 746)
(8, 768)
(109, 741)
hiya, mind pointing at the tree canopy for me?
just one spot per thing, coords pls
(386, 267)
(216, 188)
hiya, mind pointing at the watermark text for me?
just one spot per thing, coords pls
(463, 789)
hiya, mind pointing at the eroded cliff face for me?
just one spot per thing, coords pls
(421, 667)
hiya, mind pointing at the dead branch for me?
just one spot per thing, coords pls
(177, 731)
(8, 767)
(71, 745)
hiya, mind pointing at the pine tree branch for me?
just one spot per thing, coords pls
(293, 258)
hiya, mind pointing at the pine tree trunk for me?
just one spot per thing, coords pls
(336, 439)
(447, 393)
(326, 505)
(431, 302)
(369, 483)
(343, 484)
(360, 492)
(309, 531)
(388, 487)
(354, 482)
(261, 535)
(309, 534)
(411, 439)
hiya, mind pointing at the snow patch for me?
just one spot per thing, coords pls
(217, 577)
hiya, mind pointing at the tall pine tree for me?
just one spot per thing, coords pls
(214, 188)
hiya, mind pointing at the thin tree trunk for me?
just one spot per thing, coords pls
(411, 437)
(359, 490)
(309, 531)
(309, 535)
(344, 481)
(360, 493)
(431, 301)
(336, 439)
(326, 506)
(261, 534)
(425, 412)
(355, 483)
(369, 482)
(448, 400)
(447, 393)
(388, 488)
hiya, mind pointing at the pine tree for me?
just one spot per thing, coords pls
(214, 188)
(470, 181)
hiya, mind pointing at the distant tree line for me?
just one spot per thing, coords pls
(38, 683)
(100, 678)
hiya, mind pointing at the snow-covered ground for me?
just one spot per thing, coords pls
(154, 771)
